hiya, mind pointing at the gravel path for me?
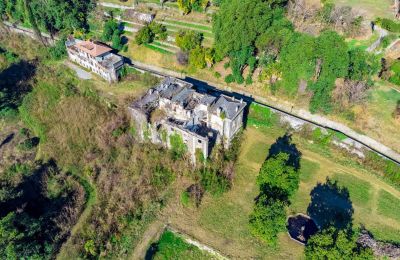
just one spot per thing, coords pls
(82, 74)
(124, 7)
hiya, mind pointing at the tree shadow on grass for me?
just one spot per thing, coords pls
(284, 145)
(14, 83)
(330, 205)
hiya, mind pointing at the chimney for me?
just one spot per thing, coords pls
(219, 110)
(237, 108)
(241, 101)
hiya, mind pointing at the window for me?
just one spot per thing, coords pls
(199, 141)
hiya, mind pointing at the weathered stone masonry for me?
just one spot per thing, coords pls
(175, 107)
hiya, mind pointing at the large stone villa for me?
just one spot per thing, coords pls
(95, 56)
(175, 107)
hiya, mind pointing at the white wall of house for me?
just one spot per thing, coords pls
(92, 64)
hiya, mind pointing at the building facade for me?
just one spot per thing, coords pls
(175, 107)
(96, 57)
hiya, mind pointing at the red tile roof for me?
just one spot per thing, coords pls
(93, 49)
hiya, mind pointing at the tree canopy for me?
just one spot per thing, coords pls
(50, 15)
(239, 23)
(332, 243)
(276, 174)
(277, 181)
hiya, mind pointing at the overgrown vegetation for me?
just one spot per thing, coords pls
(49, 16)
(130, 180)
(305, 63)
(51, 202)
(151, 32)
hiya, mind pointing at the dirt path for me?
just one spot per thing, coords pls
(152, 233)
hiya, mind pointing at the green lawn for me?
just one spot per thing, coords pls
(389, 205)
(172, 246)
(193, 26)
(370, 8)
(161, 50)
(360, 191)
(308, 170)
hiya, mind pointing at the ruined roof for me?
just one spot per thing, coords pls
(168, 89)
(207, 100)
(229, 106)
(183, 97)
(110, 60)
(91, 48)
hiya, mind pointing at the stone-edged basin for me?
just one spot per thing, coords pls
(301, 227)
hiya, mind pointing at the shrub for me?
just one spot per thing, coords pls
(217, 74)
(144, 35)
(58, 51)
(178, 147)
(229, 79)
(188, 40)
(197, 57)
(110, 26)
(214, 182)
(185, 198)
(161, 177)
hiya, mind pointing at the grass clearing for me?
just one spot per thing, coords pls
(192, 26)
(389, 205)
(156, 48)
(370, 8)
(308, 170)
(172, 246)
(222, 222)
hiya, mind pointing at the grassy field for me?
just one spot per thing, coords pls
(172, 246)
(388, 205)
(370, 8)
(222, 222)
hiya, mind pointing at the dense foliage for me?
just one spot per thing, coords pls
(331, 243)
(49, 15)
(186, 6)
(277, 180)
(151, 32)
(293, 62)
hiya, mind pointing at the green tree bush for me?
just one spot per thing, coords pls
(276, 174)
(110, 26)
(144, 35)
(188, 40)
(197, 57)
(178, 147)
(331, 243)
(268, 219)
(277, 181)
